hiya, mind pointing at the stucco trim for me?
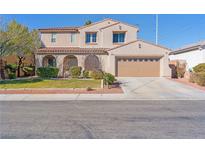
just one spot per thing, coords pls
(92, 24)
(140, 56)
(140, 41)
(119, 22)
(110, 25)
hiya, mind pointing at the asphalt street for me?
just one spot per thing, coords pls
(102, 119)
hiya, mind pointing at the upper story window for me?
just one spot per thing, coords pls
(73, 37)
(118, 37)
(91, 37)
(53, 37)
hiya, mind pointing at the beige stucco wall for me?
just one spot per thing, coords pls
(81, 59)
(104, 36)
(145, 50)
(108, 62)
(62, 40)
(94, 28)
(107, 39)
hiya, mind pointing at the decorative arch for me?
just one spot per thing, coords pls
(49, 61)
(92, 63)
(68, 62)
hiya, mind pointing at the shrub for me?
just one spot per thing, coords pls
(28, 70)
(85, 74)
(75, 71)
(180, 72)
(199, 68)
(200, 78)
(89, 89)
(181, 69)
(192, 78)
(12, 75)
(47, 72)
(108, 79)
(96, 75)
(11, 68)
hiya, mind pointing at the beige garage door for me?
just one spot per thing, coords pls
(138, 67)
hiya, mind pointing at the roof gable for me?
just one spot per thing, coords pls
(95, 23)
(139, 42)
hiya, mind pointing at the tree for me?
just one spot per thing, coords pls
(5, 47)
(24, 42)
(36, 41)
(88, 22)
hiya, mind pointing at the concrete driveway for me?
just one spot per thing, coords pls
(158, 88)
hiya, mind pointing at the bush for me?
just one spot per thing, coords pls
(180, 72)
(200, 78)
(12, 75)
(75, 71)
(199, 68)
(28, 70)
(11, 68)
(180, 69)
(108, 79)
(85, 74)
(89, 89)
(96, 75)
(47, 72)
(192, 78)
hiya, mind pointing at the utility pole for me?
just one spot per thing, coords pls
(157, 29)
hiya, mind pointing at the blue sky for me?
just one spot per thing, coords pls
(174, 30)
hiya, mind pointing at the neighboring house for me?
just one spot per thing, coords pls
(193, 54)
(109, 45)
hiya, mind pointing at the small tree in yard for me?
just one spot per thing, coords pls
(5, 47)
(24, 42)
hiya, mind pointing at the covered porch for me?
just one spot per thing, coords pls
(65, 60)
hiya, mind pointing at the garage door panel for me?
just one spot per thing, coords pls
(132, 67)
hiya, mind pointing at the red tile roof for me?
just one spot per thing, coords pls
(73, 50)
(59, 29)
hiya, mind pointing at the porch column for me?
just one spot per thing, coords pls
(81, 60)
(39, 60)
(59, 64)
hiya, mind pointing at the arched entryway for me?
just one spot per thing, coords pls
(68, 62)
(92, 63)
(49, 61)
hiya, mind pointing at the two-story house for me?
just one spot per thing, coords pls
(109, 45)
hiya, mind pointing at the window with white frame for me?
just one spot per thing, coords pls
(73, 37)
(118, 37)
(91, 37)
(53, 37)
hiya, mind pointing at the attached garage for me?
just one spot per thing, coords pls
(139, 59)
(137, 67)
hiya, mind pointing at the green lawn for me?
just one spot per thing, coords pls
(47, 83)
